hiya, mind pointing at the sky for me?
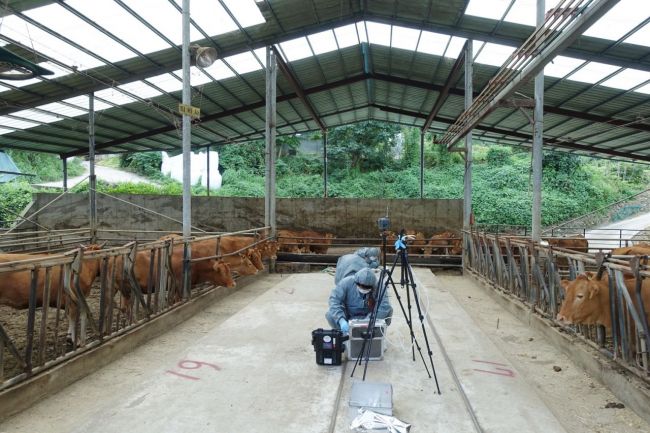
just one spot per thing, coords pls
(213, 20)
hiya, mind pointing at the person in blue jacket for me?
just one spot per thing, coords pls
(349, 264)
(354, 297)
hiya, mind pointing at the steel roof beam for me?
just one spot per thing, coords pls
(351, 80)
(526, 136)
(293, 81)
(487, 101)
(470, 32)
(452, 78)
(547, 108)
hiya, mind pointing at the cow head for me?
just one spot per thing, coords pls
(269, 250)
(255, 257)
(222, 275)
(586, 302)
(244, 266)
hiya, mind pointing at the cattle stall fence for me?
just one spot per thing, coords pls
(600, 239)
(325, 251)
(531, 273)
(33, 338)
(44, 240)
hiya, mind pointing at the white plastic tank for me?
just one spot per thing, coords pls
(173, 167)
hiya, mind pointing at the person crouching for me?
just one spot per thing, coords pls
(354, 297)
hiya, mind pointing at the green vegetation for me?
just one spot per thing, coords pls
(144, 163)
(45, 166)
(375, 159)
(17, 194)
(112, 161)
(14, 196)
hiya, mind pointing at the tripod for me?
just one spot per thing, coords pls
(406, 279)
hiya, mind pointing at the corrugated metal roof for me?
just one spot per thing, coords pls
(7, 168)
(352, 83)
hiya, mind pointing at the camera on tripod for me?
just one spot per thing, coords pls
(383, 223)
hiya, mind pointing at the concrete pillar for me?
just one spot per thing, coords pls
(271, 77)
(538, 129)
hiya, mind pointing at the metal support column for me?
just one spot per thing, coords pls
(65, 173)
(421, 164)
(467, 196)
(467, 202)
(187, 148)
(325, 163)
(207, 159)
(538, 128)
(91, 159)
(271, 76)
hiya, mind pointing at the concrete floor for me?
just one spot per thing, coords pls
(246, 364)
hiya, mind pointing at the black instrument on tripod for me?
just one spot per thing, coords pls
(406, 280)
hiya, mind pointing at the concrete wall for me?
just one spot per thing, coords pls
(344, 217)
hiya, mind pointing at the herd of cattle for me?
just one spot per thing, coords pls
(239, 255)
(445, 242)
(216, 260)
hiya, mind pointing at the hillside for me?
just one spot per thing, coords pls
(374, 159)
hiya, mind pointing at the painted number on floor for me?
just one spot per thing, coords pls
(494, 368)
(188, 364)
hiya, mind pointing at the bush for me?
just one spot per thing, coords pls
(241, 183)
(45, 166)
(248, 156)
(498, 155)
(561, 162)
(145, 163)
(15, 196)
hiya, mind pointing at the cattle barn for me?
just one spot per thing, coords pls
(126, 312)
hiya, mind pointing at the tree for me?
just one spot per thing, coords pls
(248, 156)
(411, 153)
(363, 146)
(286, 145)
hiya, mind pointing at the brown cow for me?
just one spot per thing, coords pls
(239, 263)
(231, 243)
(320, 242)
(634, 250)
(304, 241)
(415, 241)
(445, 242)
(217, 272)
(587, 302)
(269, 249)
(15, 287)
(576, 243)
(289, 241)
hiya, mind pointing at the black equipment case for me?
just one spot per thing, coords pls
(328, 345)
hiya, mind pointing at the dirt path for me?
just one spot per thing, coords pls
(613, 235)
(107, 174)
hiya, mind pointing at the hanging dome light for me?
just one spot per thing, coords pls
(202, 56)
(13, 67)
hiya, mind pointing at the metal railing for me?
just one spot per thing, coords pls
(64, 304)
(534, 275)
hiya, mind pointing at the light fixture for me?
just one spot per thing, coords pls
(13, 67)
(202, 56)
